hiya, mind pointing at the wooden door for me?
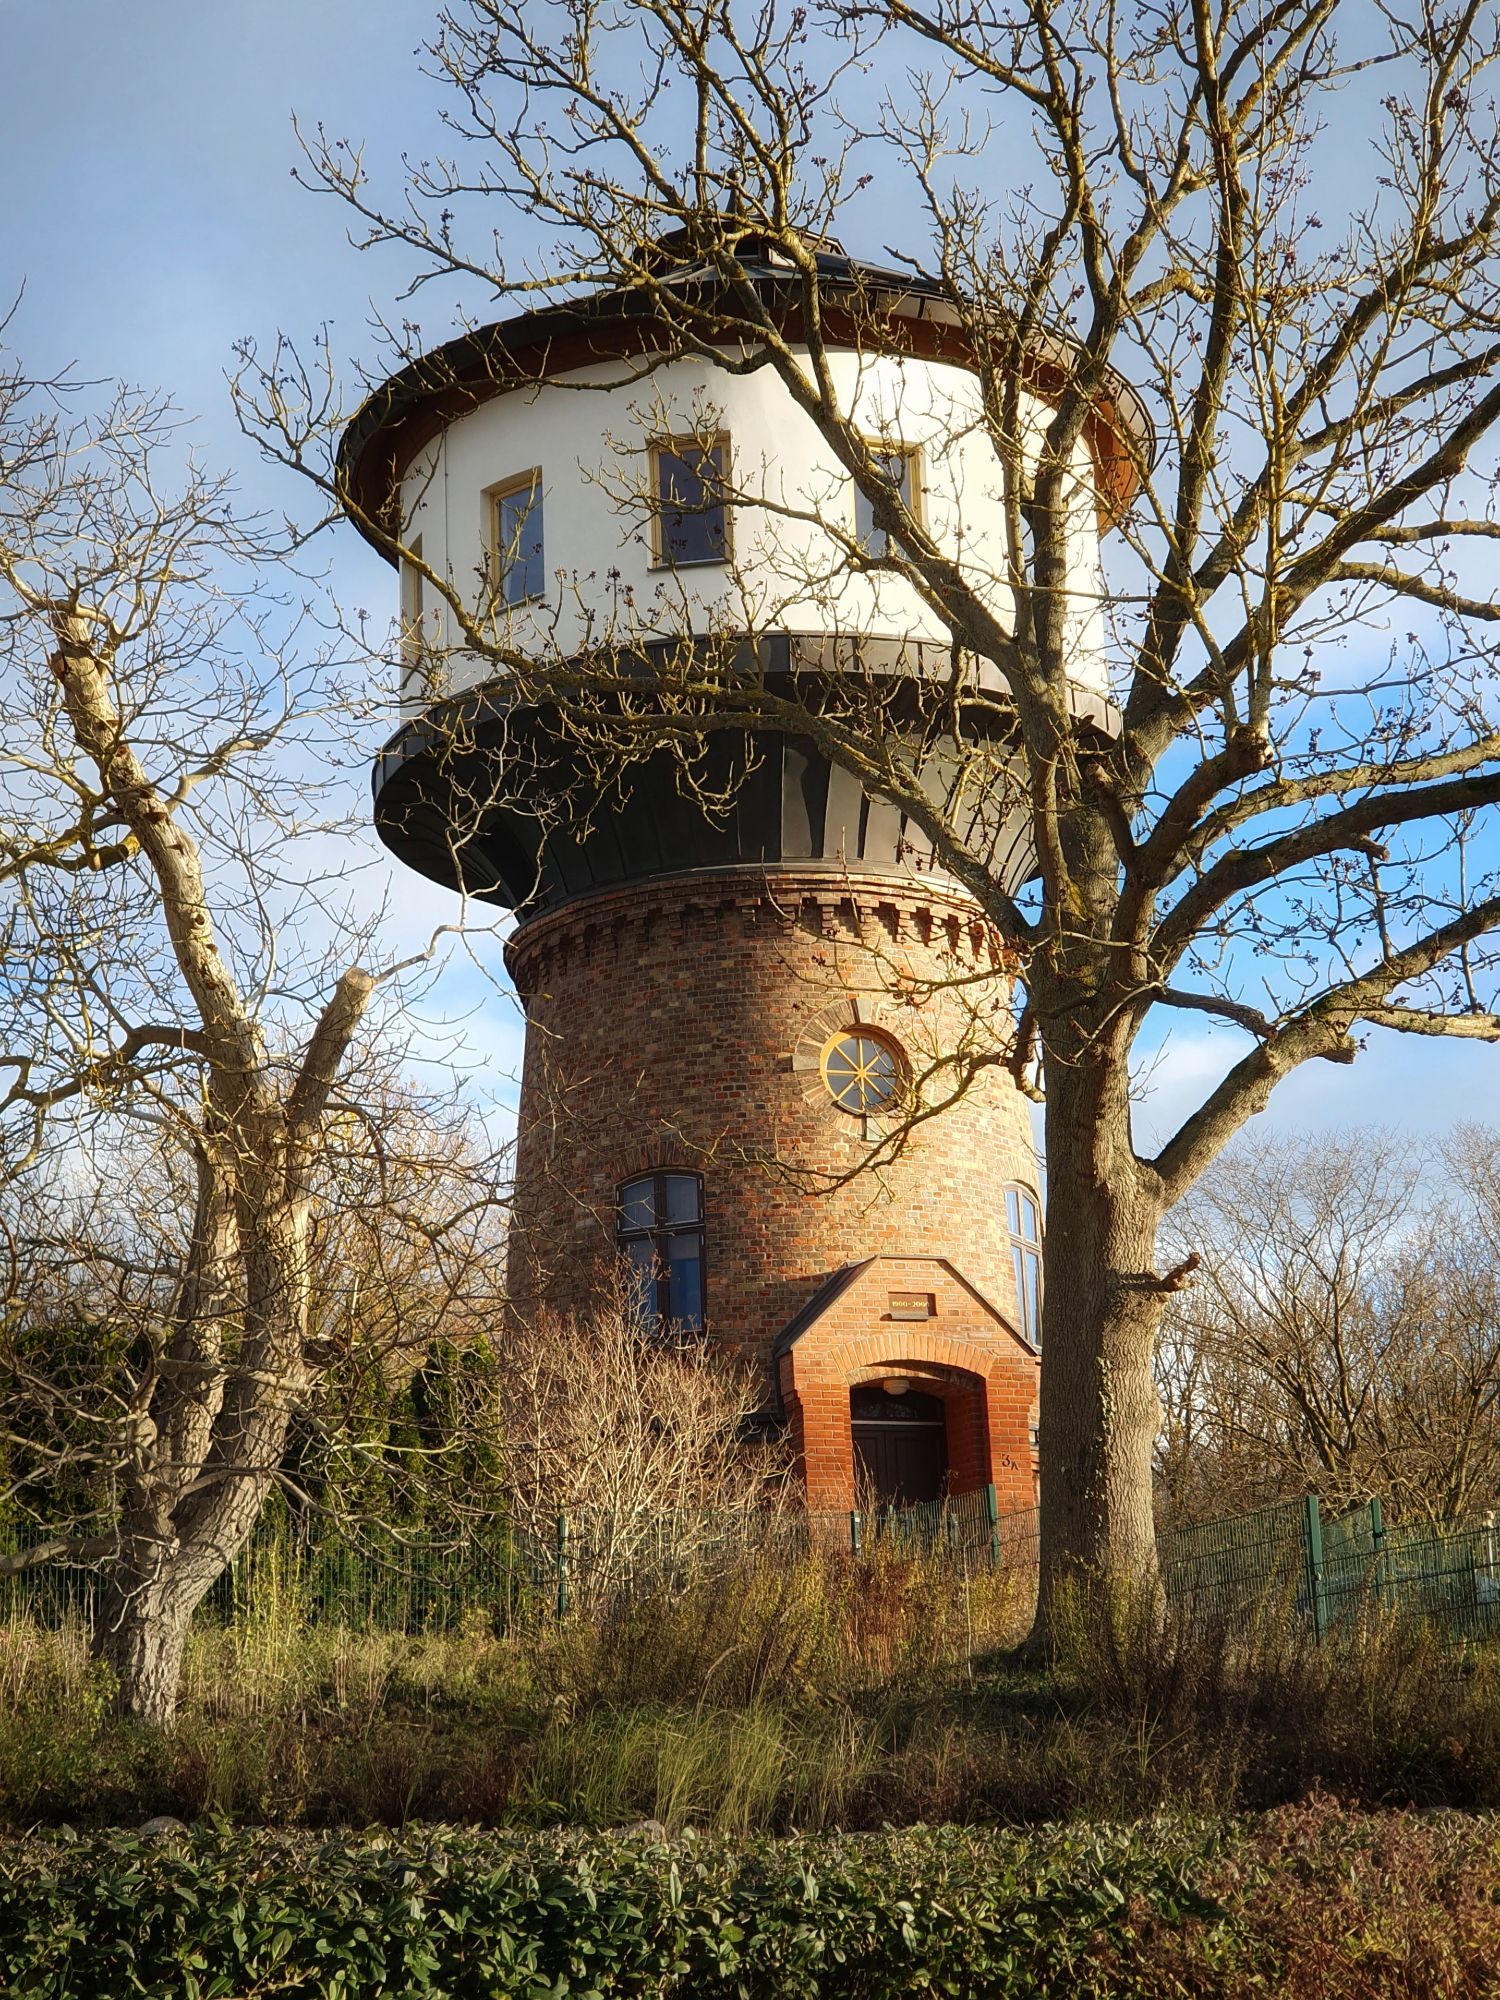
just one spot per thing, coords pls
(900, 1445)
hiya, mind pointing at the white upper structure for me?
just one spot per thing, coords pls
(552, 505)
(575, 486)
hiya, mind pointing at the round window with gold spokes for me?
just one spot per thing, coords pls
(864, 1072)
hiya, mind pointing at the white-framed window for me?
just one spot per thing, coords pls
(690, 510)
(1023, 1219)
(901, 466)
(516, 537)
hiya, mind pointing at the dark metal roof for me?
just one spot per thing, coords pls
(831, 1288)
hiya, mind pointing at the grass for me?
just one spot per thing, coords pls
(826, 1694)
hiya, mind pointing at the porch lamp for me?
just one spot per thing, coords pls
(895, 1385)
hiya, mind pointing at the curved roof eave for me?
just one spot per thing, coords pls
(413, 405)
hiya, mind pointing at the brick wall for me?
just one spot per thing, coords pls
(679, 1024)
(985, 1377)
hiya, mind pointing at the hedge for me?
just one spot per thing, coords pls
(1164, 1907)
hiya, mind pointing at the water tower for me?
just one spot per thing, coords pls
(732, 981)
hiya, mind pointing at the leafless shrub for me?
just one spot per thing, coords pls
(642, 1443)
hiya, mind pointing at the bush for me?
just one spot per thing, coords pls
(1306, 1902)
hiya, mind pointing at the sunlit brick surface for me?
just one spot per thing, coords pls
(679, 1024)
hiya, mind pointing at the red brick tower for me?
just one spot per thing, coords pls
(727, 1010)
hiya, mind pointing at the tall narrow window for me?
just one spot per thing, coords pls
(659, 1227)
(516, 537)
(411, 614)
(688, 485)
(1023, 1218)
(897, 464)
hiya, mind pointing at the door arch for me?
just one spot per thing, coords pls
(900, 1444)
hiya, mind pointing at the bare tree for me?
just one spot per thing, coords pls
(1344, 1336)
(404, 1279)
(1278, 225)
(174, 975)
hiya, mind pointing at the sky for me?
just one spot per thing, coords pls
(153, 221)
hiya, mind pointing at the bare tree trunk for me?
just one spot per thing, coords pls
(206, 1449)
(176, 1548)
(1099, 1407)
(140, 1634)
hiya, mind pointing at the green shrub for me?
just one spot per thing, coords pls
(939, 1911)
(1311, 1901)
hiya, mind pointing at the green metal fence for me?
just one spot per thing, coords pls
(51, 1594)
(577, 1562)
(1322, 1572)
(1233, 1570)
(1448, 1574)
(1332, 1573)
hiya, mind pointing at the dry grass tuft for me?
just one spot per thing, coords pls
(819, 1694)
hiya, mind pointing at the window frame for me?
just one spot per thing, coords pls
(1023, 1247)
(413, 615)
(888, 447)
(503, 489)
(659, 1230)
(681, 446)
(863, 1031)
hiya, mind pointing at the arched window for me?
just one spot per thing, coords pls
(659, 1227)
(1023, 1218)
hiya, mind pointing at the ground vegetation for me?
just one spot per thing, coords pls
(1308, 1901)
(767, 1696)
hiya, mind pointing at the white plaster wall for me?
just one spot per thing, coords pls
(588, 433)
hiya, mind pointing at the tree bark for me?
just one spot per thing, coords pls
(140, 1635)
(1100, 1314)
(188, 1518)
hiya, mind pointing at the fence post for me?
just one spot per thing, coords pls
(855, 1538)
(1312, 1542)
(992, 1515)
(562, 1567)
(1377, 1546)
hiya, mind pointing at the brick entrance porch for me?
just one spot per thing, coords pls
(919, 1321)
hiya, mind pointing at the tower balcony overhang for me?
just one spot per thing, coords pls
(502, 798)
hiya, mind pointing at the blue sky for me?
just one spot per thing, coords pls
(154, 221)
(147, 150)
